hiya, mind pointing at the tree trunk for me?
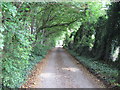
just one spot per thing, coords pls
(32, 25)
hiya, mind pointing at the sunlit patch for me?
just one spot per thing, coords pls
(71, 69)
(47, 75)
(115, 54)
(58, 46)
(59, 43)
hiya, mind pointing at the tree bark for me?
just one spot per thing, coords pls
(32, 25)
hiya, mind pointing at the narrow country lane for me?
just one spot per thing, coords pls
(63, 71)
(33, 36)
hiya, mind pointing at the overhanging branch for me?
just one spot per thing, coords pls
(63, 24)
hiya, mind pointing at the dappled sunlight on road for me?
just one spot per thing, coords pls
(63, 71)
(71, 69)
(47, 75)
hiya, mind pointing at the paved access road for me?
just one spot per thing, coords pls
(63, 71)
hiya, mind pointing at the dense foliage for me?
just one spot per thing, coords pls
(31, 29)
(99, 38)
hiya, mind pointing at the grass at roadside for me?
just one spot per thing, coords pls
(101, 70)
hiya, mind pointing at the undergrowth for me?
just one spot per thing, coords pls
(101, 69)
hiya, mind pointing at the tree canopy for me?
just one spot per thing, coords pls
(29, 30)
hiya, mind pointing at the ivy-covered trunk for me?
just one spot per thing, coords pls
(118, 63)
(1, 46)
(99, 43)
